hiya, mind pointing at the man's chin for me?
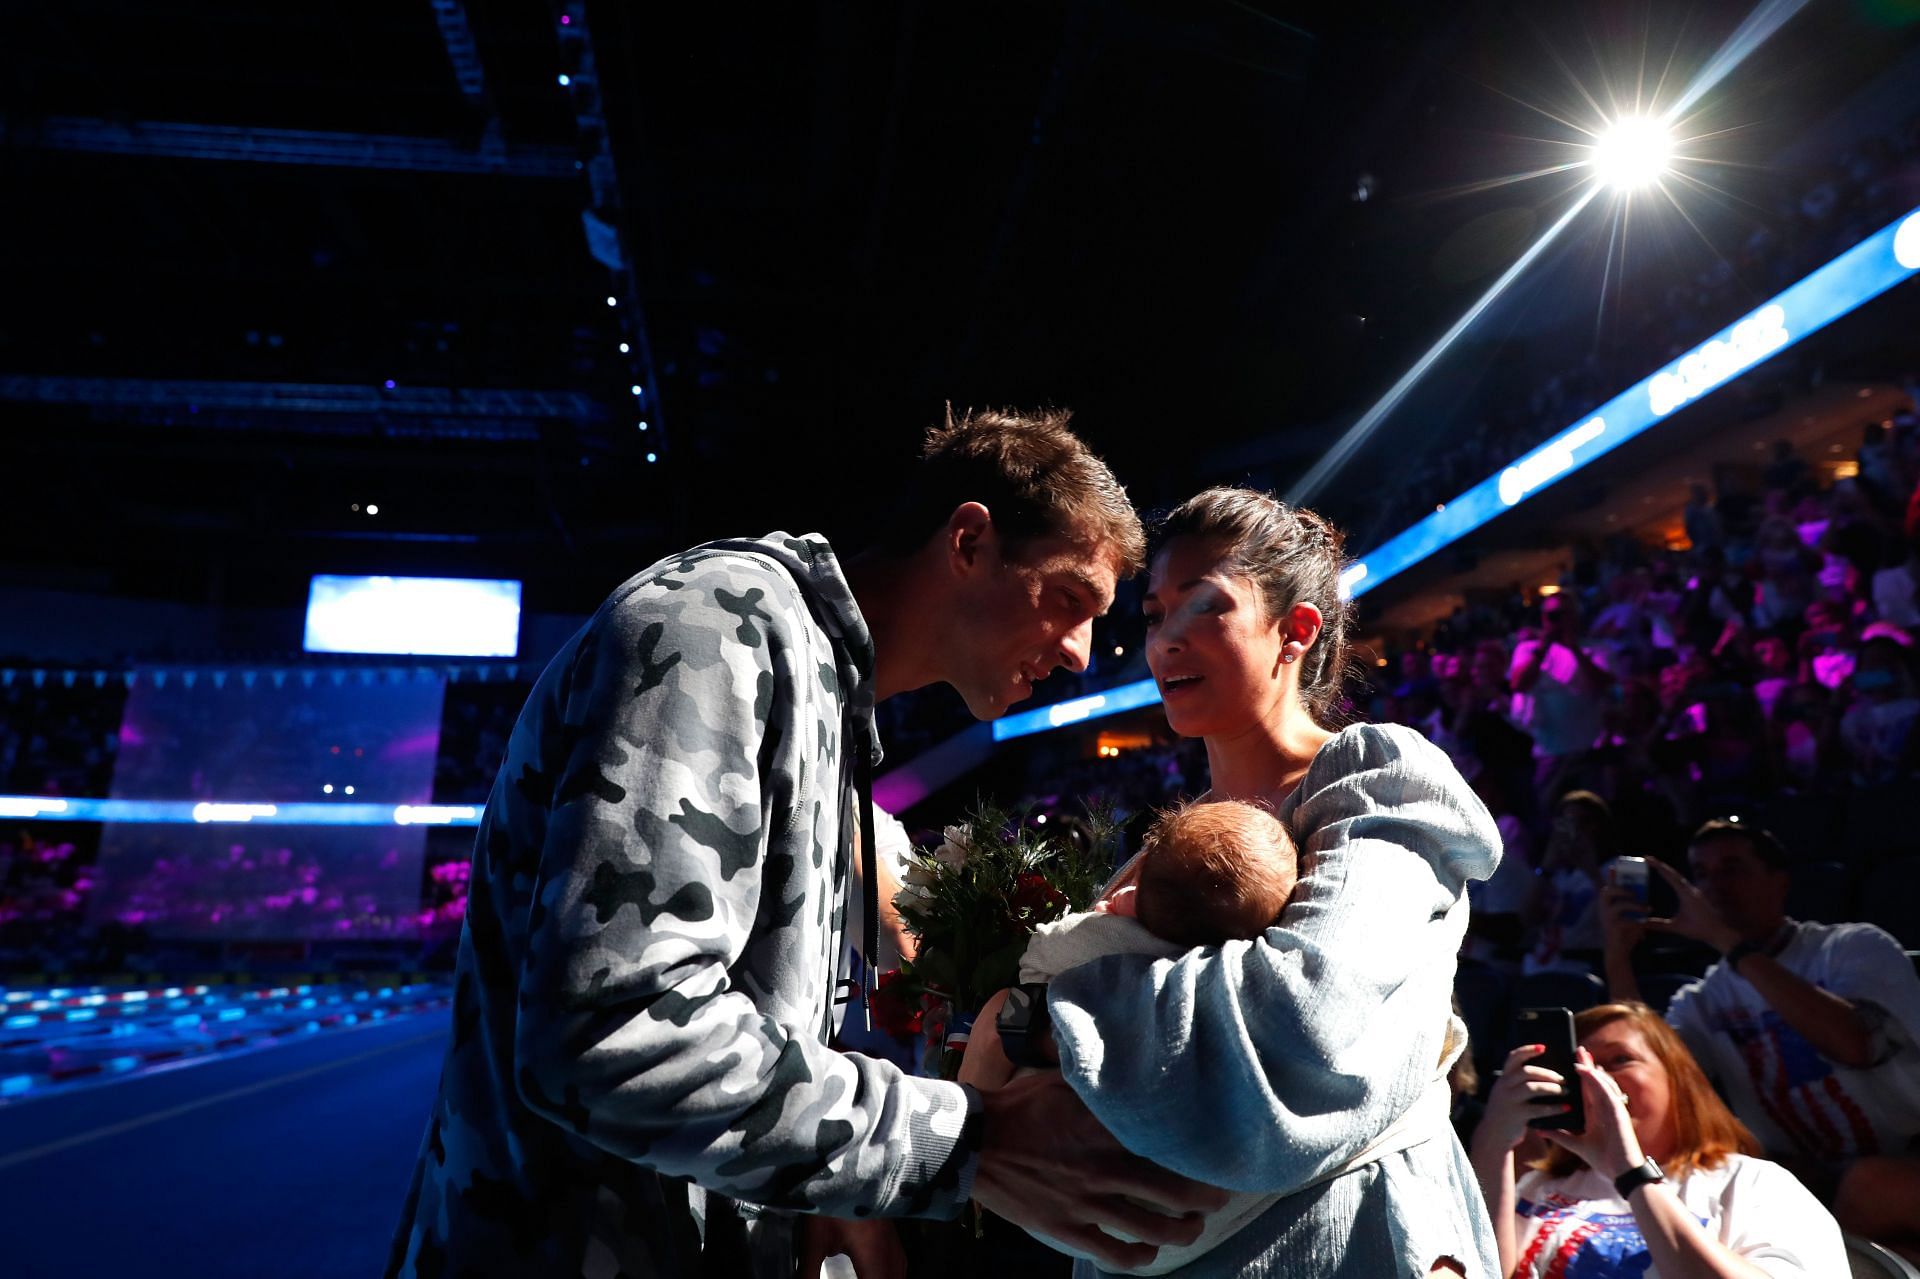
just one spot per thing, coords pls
(992, 708)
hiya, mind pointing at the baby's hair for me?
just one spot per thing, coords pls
(1215, 870)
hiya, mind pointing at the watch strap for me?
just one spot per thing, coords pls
(1644, 1173)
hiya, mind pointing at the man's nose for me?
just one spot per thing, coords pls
(1076, 646)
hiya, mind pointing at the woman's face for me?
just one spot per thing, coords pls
(1622, 1052)
(1212, 648)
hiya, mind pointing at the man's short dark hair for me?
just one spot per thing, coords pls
(1034, 475)
(1765, 845)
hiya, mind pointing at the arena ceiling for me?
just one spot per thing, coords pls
(1214, 228)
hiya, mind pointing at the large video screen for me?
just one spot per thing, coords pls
(261, 738)
(442, 616)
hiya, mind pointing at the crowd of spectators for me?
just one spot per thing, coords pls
(58, 738)
(1767, 670)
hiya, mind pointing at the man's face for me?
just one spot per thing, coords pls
(1749, 894)
(1019, 618)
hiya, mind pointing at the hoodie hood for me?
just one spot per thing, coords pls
(810, 561)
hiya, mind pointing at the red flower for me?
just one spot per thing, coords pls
(894, 1008)
(1035, 899)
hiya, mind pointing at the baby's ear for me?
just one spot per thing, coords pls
(1124, 902)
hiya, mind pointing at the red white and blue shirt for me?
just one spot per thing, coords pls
(1797, 1102)
(1577, 1227)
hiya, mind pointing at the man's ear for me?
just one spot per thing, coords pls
(969, 534)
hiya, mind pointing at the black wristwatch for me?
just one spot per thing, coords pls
(1022, 1024)
(1644, 1173)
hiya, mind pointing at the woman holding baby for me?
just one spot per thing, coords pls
(1306, 1065)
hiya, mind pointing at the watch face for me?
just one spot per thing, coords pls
(1017, 1009)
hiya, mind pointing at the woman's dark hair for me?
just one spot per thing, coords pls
(1293, 556)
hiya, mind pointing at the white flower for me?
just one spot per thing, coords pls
(954, 844)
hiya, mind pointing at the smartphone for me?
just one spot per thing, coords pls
(1632, 874)
(1554, 1028)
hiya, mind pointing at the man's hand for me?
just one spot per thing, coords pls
(873, 1246)
(1695, 917)
(1048, 1166)
(1624, 917)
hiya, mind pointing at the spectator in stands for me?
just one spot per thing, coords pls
(1558, 688)
(1702, 522)
(1773, 664)
(1787, 573)
(1661, 1180)
(1788, 472)
(1811, 1030)
(1877, 728)
(1563, 913)
(1896, 588)
(1498, 904)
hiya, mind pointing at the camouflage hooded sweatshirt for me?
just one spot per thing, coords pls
(645, 978)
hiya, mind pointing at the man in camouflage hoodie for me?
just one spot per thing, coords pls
(639, 1067)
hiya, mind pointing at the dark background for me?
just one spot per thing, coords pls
(1216, 229)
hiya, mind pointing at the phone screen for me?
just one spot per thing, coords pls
(1554, 1028)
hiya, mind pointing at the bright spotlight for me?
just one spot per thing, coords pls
(1632, 152)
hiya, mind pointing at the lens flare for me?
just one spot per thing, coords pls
(1631, 153)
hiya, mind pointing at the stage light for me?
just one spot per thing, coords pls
(349, 790)
(389, 384)
(653, 457)
(372, 509)
(327, 789)
(643, 426)
(624, 348)
(565, 80)
(1632, 152)
(1906, 243)
(635, 388)
(613, 301)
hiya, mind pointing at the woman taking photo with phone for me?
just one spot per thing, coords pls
(1662, 1182)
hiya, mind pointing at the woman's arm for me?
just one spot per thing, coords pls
(985, 1064)
(1324, 1030)
(1515, 1099)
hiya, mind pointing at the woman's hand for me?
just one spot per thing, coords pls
(1521, 1093)
(1608, 1143)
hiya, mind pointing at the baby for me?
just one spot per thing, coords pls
(1207, 873)
(1210, 872)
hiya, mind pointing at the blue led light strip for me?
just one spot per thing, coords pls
(1859, 275)
(1126, 697)
(187, 812)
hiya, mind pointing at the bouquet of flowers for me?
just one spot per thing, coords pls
(971, 904)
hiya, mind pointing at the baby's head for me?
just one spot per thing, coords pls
(1215, 871)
